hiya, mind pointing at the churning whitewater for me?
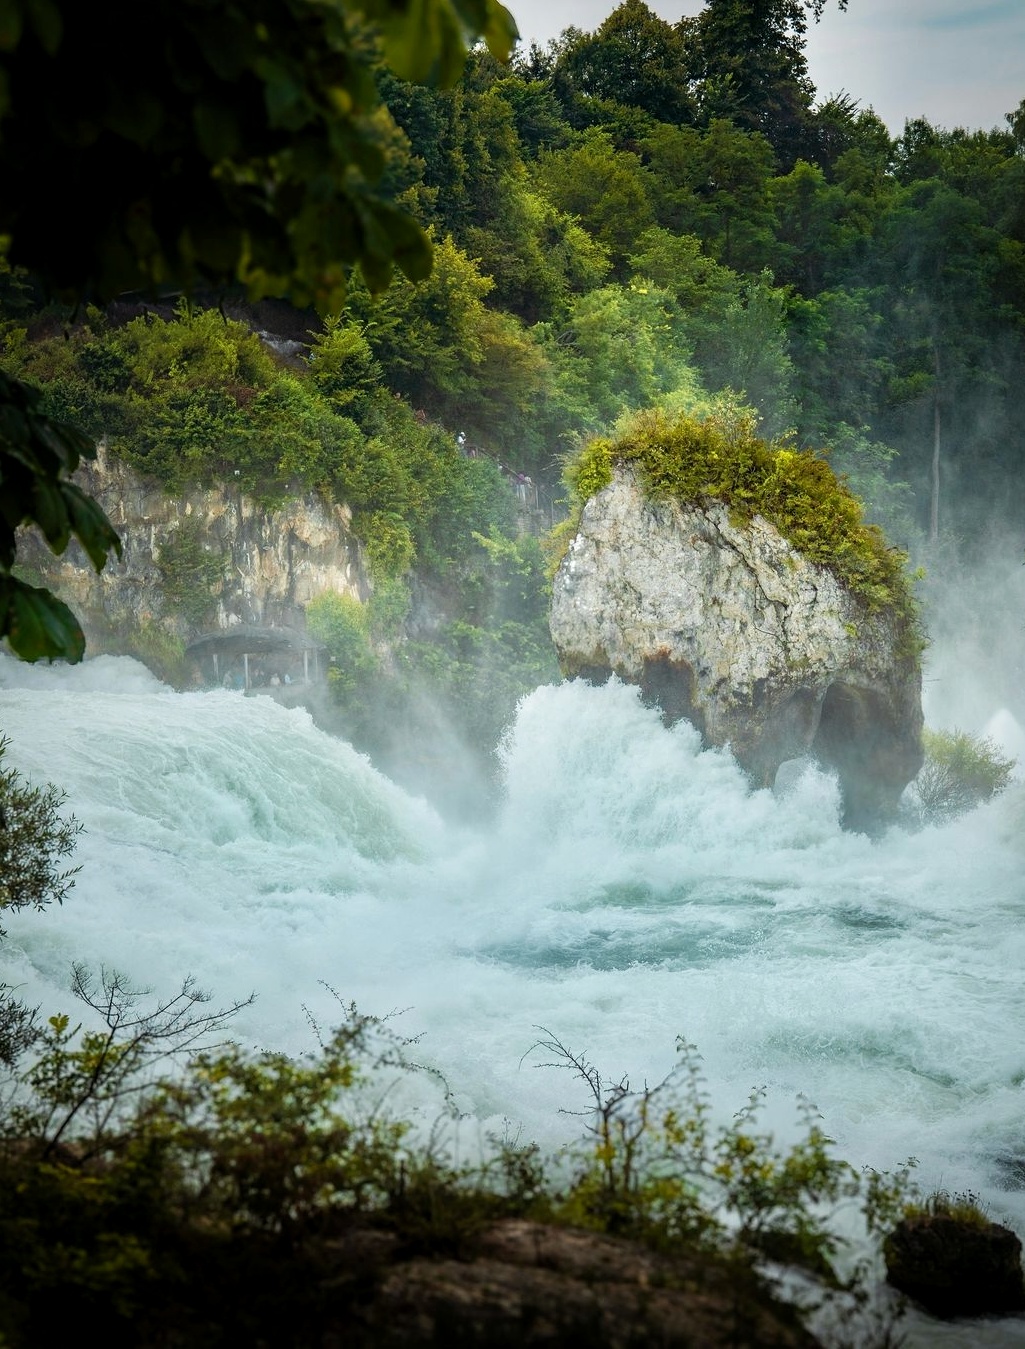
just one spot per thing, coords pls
(633, 888)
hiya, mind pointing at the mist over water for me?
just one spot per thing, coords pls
(632, 888)
(975, 664)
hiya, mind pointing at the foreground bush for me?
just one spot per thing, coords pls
(35, 840)
(248, 1197)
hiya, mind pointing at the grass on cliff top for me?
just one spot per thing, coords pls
(719, 458)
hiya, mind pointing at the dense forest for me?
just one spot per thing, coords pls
(649, 214)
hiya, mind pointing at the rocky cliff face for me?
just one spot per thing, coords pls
(734, 630)
(209, 559)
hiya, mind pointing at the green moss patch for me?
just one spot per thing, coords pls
(720, 458)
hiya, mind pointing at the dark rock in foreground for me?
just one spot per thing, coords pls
(956, 1267)
(531, 1285)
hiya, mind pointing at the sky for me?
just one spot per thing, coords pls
(956, 62)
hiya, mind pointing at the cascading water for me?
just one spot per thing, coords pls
(632, 889)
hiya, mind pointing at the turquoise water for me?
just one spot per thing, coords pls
(632, 888)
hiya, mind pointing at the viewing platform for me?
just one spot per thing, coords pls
(248, 657)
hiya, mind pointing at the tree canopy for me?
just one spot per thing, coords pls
(242, 141)
(237, 142)
(865, 292)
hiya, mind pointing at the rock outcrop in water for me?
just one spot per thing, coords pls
(956, 1263)
(729, 626)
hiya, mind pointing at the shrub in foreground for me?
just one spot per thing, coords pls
(245, 1197)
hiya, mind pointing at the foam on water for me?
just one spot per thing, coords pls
(633, 888)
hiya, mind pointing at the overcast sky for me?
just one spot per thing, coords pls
(956, 62)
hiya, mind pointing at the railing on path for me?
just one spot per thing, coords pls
(535, 505)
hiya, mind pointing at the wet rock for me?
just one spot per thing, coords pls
(531, 1285)
(269, 563)
(956, 1267)
(731, 628)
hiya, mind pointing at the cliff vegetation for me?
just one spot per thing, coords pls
(719, 457)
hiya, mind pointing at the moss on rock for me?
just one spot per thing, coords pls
(720, 458)
(955, 1262)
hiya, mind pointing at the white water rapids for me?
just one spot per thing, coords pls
(632, 889)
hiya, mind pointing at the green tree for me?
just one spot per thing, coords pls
(35, 840)
(960, 772)
(715, 184)
(237, 146)
(749, 55)
(343, 625)
(603, 186)
(537, 114)
(811, 229)
(428, 337)
(620, 349)
(743, 347)
(342, 362)
(737, 170)
(634, 58)
(839, 125)
(839, 342)
(946, 261)
(734, 326)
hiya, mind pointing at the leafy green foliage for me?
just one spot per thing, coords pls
(198, 399)
(721, 458)
(166, 1184)
(276, 1155)
(604, 186)
(37, 457)
(733, 327)
(343, 625)
(867, 466)
(342, 364)
(620, 350)
(239, 148)
(657, 1168)
(242, 148)
(635, 59)
(751, 60)
(960, 772)
(82, 1081)
(154, 1196)
(34, 841)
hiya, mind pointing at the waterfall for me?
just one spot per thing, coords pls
(632, 888)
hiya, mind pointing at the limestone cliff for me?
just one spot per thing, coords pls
(243, 563)
(730, 627)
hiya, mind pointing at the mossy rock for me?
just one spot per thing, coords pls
(956, 1266)
(719, 458)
